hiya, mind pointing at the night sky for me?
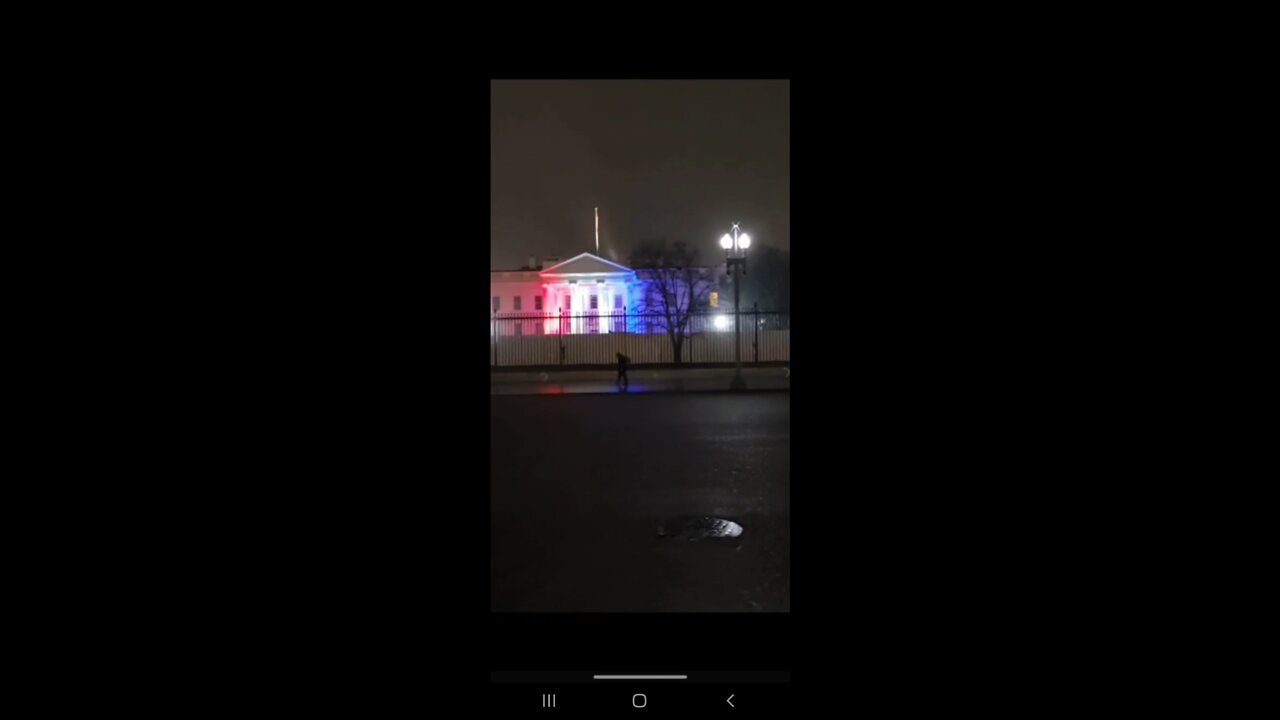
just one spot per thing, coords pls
(674, 159)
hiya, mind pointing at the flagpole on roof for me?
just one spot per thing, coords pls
(597, 231)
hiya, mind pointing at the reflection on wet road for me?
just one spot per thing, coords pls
(589, 496)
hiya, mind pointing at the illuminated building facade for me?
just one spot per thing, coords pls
(585, 294)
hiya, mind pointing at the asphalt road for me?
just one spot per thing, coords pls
(640, 381)
(581, 484)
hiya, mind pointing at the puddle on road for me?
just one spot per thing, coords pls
(700, 527)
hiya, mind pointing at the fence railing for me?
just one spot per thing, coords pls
(517, 339)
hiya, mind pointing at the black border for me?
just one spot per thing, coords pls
(301, 465)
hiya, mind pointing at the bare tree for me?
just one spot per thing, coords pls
(679, 287)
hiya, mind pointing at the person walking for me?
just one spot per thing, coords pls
(623, 361)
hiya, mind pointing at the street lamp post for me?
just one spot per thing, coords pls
(735, 259)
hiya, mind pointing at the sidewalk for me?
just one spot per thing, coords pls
(641, 381)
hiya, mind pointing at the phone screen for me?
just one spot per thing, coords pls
(640, 418)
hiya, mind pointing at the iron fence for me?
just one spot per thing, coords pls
(594, 338)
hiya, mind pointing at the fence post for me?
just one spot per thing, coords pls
(690, 338)
(756, 319)
(495, 339)
(560, 333)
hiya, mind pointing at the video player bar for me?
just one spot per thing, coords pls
(599, 677)
(580, 694)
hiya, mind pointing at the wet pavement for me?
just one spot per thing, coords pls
(640, 503)
(641, 381)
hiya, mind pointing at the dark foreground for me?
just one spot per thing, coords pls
(642, 380)
(581, 484)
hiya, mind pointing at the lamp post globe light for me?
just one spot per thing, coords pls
(735, 259)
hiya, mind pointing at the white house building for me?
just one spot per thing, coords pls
(586, 309)
(585, 294)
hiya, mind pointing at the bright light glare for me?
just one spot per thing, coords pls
(726, 242)
(722, 322)
(744, 241)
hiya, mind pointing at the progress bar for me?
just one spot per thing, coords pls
(640, 677)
